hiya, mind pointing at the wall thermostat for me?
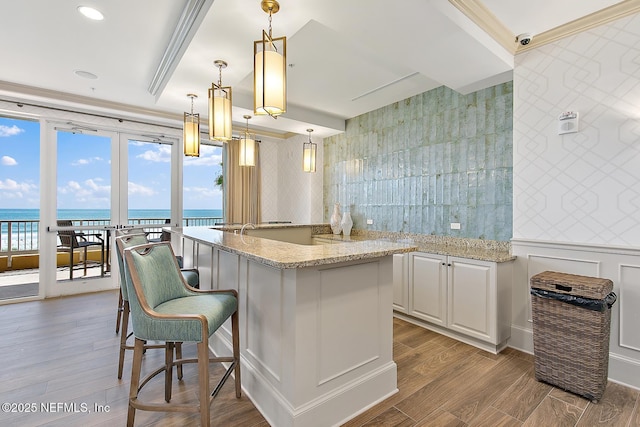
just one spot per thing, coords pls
(568, 122)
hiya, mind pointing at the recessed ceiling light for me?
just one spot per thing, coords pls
(85, 74)
(91, 13)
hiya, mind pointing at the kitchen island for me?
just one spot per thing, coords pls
(316, 332)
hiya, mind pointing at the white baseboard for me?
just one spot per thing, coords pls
(521, 339)
(622, 370)
(332, 409)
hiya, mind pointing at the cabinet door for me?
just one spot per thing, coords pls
(471, 297)
(428, 287)
(401, 283)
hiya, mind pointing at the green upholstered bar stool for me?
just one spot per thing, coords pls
(165, 308)
(119, 313)
(191, 275)
(122, 242)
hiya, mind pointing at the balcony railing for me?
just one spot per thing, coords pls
(22, 237)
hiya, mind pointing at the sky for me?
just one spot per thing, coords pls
(84, 171)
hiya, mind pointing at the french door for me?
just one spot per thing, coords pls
(95, 182)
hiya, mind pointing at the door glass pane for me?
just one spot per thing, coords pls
(19, 209)
(83, 201)
(149, 185)
(202, 190)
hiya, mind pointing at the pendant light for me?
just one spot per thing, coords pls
(220, 107)
(309, 150)
(191, 131)
(247, 147)
(270, 69)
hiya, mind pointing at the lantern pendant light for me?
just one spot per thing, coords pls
(270, 69)
(247, 147)
(309, 150)
(191, 128)
(220, 103)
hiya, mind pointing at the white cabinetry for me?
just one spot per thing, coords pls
(400, 283)
(428, 287)
(466, 299)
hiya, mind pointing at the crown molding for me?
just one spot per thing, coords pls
(84, 103)
(47, 98)
(478, 13)
(604, 16)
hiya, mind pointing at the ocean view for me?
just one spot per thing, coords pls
(94, 214)
(24, 230)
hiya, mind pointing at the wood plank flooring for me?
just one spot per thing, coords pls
(63, 353)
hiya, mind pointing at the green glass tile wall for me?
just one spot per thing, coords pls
(420, 164)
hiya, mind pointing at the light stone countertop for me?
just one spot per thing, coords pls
(442, 245)
(275, 224)
(481, 254)
(285, 255)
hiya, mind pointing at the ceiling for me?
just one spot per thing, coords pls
(346, 57)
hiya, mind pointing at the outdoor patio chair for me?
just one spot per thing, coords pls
(70, 240)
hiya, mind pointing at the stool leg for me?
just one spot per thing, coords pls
(179, 356)
(135, 380)
(119, 313)
(123, 337)
(203, 380)
(236, 351)
(168, 374)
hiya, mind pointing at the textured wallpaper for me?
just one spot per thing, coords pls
(422, 163)
(581, 187)
(288, 193)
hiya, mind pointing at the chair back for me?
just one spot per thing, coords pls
(135, 230)
(123, 242)
(152, 277)
(67, 238)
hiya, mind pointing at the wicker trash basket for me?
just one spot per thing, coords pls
(571, 324)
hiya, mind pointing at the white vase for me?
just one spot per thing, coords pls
(346, 223)
(334, 221)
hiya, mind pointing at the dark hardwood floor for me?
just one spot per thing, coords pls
(61, 355)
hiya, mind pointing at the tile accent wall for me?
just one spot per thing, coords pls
(418, 165)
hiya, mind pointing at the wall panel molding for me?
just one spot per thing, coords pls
(621, 265)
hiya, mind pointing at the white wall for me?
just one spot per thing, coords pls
(288, 193)
(585, 186)
(576, 201)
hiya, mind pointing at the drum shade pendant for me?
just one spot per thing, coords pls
(191, 131)
(270, 69)
(220, 107)
(309, 150)
(247, 147)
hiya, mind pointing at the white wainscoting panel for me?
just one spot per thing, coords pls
(629, 306)
(617, 263)
(227, 270)
(347, 307)
(204, 254)
(188, 253)
(264, 323)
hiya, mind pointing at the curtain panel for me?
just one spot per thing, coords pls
(242, 188)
